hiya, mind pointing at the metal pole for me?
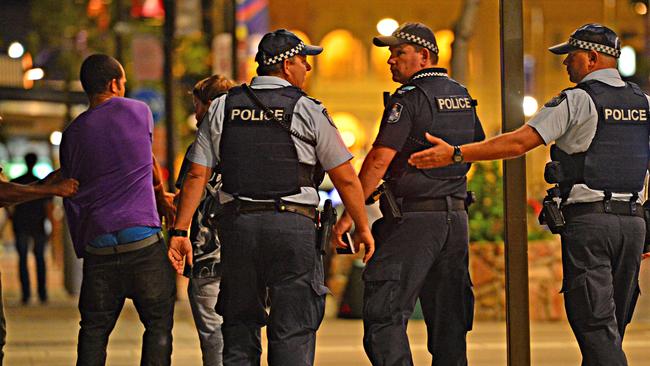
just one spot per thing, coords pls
(514, 182)
(233, 32)
(170, 20)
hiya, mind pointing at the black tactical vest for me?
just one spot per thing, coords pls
(258, 156)
(617, 158)
(453, 112)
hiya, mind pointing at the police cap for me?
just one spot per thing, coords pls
(416, 33)
(280, 45)
(591, 37)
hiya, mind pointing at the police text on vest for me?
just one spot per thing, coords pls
(625, 115)
(454, 103)
(246, 114)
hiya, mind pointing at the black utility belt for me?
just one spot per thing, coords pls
(128, 247)
(242, 206)
(624, 208)
(432, 204)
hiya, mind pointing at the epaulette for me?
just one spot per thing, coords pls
(314, 100)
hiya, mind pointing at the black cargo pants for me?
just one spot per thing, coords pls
(425, 256)
(270, 258)
(601, 255)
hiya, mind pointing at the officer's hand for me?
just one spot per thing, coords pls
(342, 225)
(364, 237)
(435, 157)
(180, 251)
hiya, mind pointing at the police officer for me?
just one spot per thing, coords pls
(600, 128)
(424, 253)
(273, 143)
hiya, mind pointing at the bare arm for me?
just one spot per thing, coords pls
(164, 200)
(347, 184)
(53, 185)
(180, 248)
(505, 146)
(373, 170)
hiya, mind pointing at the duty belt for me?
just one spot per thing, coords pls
(243, 206)
(128, 247)
(624, 208)
(432, 204)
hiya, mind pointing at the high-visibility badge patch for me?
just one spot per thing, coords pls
(395, 113)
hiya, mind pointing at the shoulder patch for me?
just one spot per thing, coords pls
(329, 119)
(314, 100)
(404, 89)
(395, 113)
(556, 100)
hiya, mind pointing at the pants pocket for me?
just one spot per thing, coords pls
(381, 291)
(577, 299)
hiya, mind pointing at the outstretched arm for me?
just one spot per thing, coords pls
(53, 185)
(505, 146)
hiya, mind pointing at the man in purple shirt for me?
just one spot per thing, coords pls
(113, 220)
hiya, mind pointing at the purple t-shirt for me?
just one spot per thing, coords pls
(108, 150)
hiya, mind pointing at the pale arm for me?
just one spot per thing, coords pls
(505, 146)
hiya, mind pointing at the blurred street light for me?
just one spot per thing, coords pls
(640, 8)
(16, 50)
(35, 74)
(55, 138)
(530, 106)
(386, 26)
(627, 61)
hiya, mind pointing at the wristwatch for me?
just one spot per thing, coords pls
(457, 158)
(176, 232)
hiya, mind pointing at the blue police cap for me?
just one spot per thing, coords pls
(416, 33)
(280, 45)
(591, 37)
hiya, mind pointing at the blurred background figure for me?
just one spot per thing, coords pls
(29, 227)
(205, 274)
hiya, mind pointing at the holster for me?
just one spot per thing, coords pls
(388, 202)
(551, 214)
(326, 220)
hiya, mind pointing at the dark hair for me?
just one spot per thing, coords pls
(211, 87)
(264, 70)
(30, 160)
(97, 71)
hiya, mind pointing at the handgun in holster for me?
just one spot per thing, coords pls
(470, 199)
(389, 201)
(326, 220)
(551, 214)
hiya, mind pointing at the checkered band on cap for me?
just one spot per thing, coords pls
(417, 40)
(594, 47)
(430, 74)
(284, 55)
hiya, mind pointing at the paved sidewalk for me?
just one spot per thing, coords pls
(47, 335)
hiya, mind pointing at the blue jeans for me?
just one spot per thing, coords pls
(146, 277)
(203, 293)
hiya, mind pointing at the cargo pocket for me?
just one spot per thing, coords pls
(316, 311)
(576, 299)
(381, 291)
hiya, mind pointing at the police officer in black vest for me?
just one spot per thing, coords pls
(422, 238)
(600, 159)
(273, 144)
